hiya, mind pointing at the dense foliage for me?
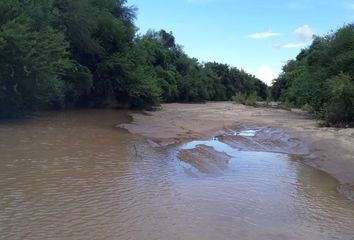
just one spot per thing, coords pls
(82, 53)
(322, 77)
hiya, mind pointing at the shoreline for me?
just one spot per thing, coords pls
(328, 149)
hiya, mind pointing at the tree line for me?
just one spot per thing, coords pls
(59, 54)
(321, 78)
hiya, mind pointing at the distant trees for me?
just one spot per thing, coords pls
(322, 76)
(181, 78)
(71, 53)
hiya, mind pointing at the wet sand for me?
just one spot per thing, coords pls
(290, 132)
(205, 159)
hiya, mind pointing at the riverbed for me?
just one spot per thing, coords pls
(76, 175)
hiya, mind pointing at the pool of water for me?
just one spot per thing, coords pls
(74, 175)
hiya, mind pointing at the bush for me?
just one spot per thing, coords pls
(287, 105)
(250, 100)
(341, 107)
(307, 107)
(239, 98)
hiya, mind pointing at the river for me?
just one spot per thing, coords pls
(76, 175)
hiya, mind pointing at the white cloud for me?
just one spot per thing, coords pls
(303, 33)
(288, 45)
(266, 74)
(302, 36)
(264, 35)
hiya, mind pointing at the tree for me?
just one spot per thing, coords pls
(32, 61)
(69, 53)
(340, 108)
(322, 77)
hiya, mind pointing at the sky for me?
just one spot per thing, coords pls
(258, 36)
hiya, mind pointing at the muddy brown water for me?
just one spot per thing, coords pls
(74, 175)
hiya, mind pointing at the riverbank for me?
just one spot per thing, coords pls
(327, 149)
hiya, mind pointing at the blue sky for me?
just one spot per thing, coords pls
(258, 36)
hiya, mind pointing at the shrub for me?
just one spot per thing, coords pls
(250, 100)
(239, 98)
(341, 107)
(307, 107)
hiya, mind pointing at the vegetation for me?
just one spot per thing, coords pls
(249, 100)
(57, 54)
(322, 78)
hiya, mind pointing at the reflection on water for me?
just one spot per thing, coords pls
(75, 176)
(216, 144)
(246, 133)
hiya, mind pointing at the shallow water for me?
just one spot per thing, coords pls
(75, 175)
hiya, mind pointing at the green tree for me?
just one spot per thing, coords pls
(322, 77)
(32, 61)
(70, 53)
(340, 108)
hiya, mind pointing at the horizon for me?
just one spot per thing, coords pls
(256, 37)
